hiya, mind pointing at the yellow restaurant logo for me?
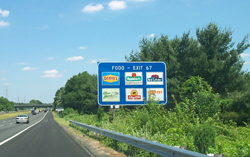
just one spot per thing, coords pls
(110, 78)
(134, 92)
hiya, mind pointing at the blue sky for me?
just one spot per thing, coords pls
(43, 43)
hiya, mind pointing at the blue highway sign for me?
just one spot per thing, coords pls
(131, 83)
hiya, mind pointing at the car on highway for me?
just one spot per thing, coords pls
(22, 118)
(33, 112)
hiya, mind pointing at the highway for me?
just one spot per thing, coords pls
(43, 137)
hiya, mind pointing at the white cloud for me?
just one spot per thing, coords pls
(247, 62)
(97, 60)
(116, 5)
(74, 58)
(2, 71)
(4, 13)
(3, 79)
(94, 61)
(151, 35)
(245, 54)
(91, 9)
(54, 71)
(52, 75)
(82, 48)
(7, 84)
(29, 68)
(50, 58)
(2, 24)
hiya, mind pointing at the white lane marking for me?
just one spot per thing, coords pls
(22, 131)
(1, 125)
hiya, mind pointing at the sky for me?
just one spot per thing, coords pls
(43, 43)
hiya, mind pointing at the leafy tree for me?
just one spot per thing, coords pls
(58, 97)
(5, 104)
(212, 56)
(222, 65)
(33, 101)
(81, 93)
(198, 101)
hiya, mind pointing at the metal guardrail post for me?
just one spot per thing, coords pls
(158, 148)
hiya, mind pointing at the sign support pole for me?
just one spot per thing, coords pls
(113, 108)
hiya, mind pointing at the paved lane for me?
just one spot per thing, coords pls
(8, 127)
(46, 139)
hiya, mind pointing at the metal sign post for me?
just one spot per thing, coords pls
(114, 108)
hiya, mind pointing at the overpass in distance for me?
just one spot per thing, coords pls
(33, 105)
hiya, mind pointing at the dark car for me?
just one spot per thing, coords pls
(45, 110)
(33, 112)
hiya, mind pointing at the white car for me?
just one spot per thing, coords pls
(22, 118)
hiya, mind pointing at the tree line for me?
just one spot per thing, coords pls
(79, 93)
(212, 55)
(6, 105)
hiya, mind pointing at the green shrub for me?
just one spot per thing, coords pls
(204, 137)
(100, 113)
(67, 111)
(227, 116)
(237, 117)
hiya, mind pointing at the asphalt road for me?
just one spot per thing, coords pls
(45, 139)
(8, 127)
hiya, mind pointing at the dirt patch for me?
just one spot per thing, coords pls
(93, 146)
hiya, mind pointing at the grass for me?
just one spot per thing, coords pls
(12, 115)
(60, 121)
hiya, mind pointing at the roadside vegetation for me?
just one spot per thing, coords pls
(60, 121)
(208, 108)
(12, 115)
(6, 105)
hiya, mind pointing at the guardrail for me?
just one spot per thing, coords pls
(154, 147)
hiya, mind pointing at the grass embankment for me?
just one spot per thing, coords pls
(60, 121)
(169, 129)
(12, 115)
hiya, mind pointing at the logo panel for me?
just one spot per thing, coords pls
(110, 78)
(154, 78)
(134, 94)
(155, 93)
(111, 95)
(133, 78)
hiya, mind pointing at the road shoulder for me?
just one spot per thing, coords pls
(95, 147)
